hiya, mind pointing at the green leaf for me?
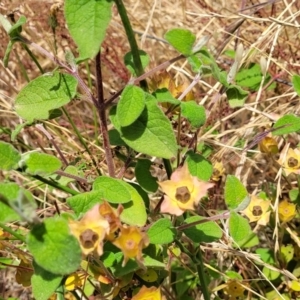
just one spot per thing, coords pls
(131, 105)
(289, 124)
(87, 22)
(85, 201)
(181, 39)
(249, 241)
(41, 163)
(9, 192)
(161, 232)
(53, 247)
(238, 227)
(17, 130)
(144, 176)
(5, 23)
(219, 75)
(151, 133)
(235, 192)
(44, 283)
(296, 84)
(115, 138)
(207, 232)
(72, 170)
(43, 94)
(16, 203)
(9, 157)
(270, 274)
(194, 113)
(236, 96)
(163, 95)
(128, 61)
(195, 62)
(266, 255)
(16, 28)
(113, 190)
(7, 53)
(287, 252)
(233, 275)
(199, 166)
(134, 212)
(251, 77)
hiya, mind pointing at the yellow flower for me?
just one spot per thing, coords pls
(165, 81)
(75, 280)
(286, 211)
(152, 293)
(183, 192)
(234, 289)
(290, 160)
(131, 241)
(90, 231)
(218, 171)
(268, 145)
(258, 211)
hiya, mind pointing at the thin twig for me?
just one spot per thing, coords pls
(102, 116)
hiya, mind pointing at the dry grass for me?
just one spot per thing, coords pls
(271, 32)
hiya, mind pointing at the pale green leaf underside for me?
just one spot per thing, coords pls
(239, 227)
(43, 94)
(181, 39)
(87, 22)
(42, 164)
(9, 157)
(235, 192)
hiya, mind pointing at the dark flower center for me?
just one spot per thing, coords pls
(88, 238)
(292, 162)
(257, 211)
(182, 194)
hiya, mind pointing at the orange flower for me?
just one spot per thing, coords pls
(183, 192)
(90, 231)
(112, 217)
(286, 211)
(290, 160)
(131, 241)
(152, 293)
(258, 211)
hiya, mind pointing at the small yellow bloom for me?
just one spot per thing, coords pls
(234, 289)
(218, 171)
(258, 211)
(165, 81)
(268, 145)
(290, 160)
(183, 192)
(131, 241)
(75, 280)
(152, 293)
(286, 211)
(90, 231)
